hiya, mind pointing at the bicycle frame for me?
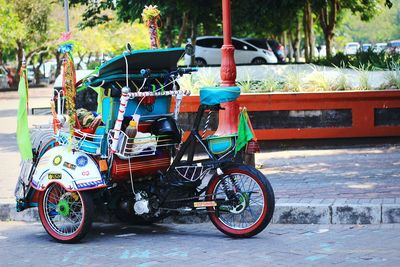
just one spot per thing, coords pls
(189, 146)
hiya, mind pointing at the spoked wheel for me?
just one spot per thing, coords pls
(245, 201)
(66, 216)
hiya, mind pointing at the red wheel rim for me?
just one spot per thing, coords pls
(60, 223)
(220, 221)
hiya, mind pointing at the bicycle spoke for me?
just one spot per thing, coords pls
(241, 217)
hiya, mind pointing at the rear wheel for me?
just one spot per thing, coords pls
(66, 216)
(258, 61)
(245, 201)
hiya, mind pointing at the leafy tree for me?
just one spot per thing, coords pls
(330, 11)
(11, 29)
(181, 18)
(34, 16)
(383, 27)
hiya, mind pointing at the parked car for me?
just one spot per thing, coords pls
(270, 45)
(80, 75)
(208, 52)
(366, 47)
(393, 46)
(6, 78)
(379, 47)
(3, 78)
(351, 48)
(320, 51)
(30, 74)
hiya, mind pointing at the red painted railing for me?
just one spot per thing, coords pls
(362, 105)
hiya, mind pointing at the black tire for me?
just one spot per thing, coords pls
(199, 62)
(73, 209)
(258, 61)
(245, 177)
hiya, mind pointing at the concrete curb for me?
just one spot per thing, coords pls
(285, 213)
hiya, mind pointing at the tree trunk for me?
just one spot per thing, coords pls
(296, 41)
(1, 57)
(310, 29)
(168, 31)
(290, 47)
(89, 58)
(306, 43)
(328, 19)
(36, 71)
(20, 54)
(328, 41)
(182, 31)
(193, 35)
(57, 54)
(80, 56)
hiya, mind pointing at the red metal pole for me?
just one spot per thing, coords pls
(228, 66)
(228, 118)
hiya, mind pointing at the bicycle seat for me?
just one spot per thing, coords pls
(217, 95)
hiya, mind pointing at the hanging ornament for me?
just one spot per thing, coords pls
(151, 16)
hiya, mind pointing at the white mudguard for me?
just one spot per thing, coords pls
(76, 171)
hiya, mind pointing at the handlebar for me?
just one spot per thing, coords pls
(182, 71)
(146, 73)
(165, 93)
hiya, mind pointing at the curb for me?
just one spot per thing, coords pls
(285, 213)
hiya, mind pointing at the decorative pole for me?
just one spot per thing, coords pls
(69, 77)
(66, 12)
(228, 118)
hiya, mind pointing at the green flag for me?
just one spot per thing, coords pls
(244, 133)
(23, 136)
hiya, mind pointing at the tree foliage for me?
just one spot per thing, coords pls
(382, 27)
(11, 28)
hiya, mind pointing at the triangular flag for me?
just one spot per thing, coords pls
(23, 135)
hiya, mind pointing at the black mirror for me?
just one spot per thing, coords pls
(128, 47)
(189, 50)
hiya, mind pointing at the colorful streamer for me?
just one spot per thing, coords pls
(68, 82)
(151, 15)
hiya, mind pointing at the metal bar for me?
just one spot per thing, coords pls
(66, 12)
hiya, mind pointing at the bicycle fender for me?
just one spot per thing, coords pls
(75, 171)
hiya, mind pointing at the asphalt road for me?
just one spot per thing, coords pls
(23, 244)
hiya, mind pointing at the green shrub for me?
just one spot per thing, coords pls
(374, 61)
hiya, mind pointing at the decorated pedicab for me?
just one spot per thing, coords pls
(129, 158)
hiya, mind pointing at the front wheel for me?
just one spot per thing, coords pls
(245, 201)
(66, 216)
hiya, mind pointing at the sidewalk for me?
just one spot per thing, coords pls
(346, 185)
(320, 186)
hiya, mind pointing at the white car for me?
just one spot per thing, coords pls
(366, 47)
(3, 78)
(351, 48)
(379, 47)
(393, 46)
(208, 52)
(80, 74)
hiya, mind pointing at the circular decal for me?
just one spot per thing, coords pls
(81, 161)
(57, 160)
